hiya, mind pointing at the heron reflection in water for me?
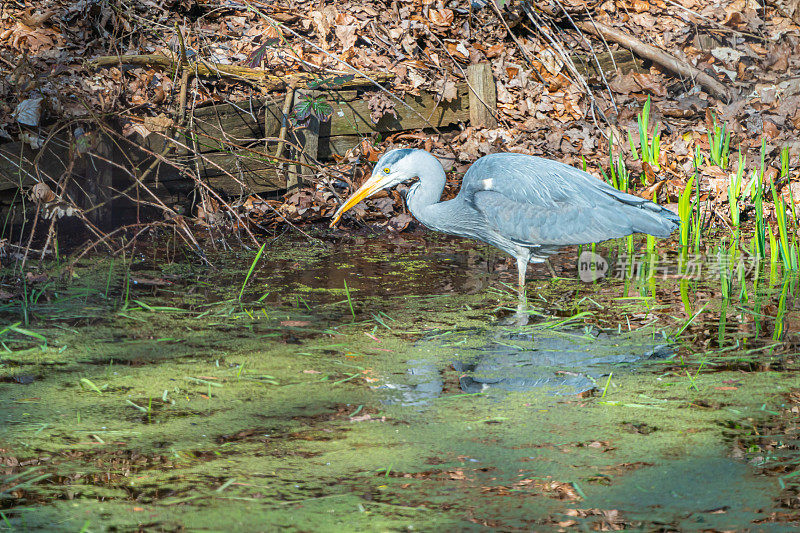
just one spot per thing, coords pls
(527, 206)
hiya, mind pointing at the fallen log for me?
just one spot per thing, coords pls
(660, 57)
(252, 75)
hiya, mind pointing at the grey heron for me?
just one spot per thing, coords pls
(527, 206)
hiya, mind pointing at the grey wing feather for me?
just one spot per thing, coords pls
(536, 201)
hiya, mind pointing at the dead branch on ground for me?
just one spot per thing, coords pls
(660, 57)
(254, 76)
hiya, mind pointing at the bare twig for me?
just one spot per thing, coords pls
(514, 38)
(594, 55)
(569, 64)
(208, 190)
(107, 237)
(185, 72)
(471, 88)
(719, 25)
(30, 237)
(156, 200)
(373, 79)
(605, 43)
(287, 107)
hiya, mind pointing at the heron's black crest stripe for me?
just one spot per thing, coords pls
(390, 158)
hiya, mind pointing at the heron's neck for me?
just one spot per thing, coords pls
(428, 190)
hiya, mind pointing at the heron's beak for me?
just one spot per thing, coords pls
(370, 187)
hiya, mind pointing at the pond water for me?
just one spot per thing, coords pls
(374, 383)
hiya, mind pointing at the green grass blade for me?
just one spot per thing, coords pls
(250, 272)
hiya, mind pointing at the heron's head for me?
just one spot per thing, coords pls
(395, 166)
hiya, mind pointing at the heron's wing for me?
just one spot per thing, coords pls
(539, 201)
(561, 225)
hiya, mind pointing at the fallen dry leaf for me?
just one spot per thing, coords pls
(41, 192)
(367, 418)
(29, 111)
(448, 90)
(441, 17)
(347, 35)
(295, 323)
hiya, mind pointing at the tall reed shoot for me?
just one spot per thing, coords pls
(719, 141)
(685, 211)
(789, 259)
(618, 175)
(787, 238)
(735, 193)
(250, 272)
(650, 147)
(773, 256)
(758, 202)
(698, 216)
(723, 265)
(780, 317)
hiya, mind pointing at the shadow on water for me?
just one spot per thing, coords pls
(559, 361)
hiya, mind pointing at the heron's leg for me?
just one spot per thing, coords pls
(550, 268)
(521, 316)
(522, 270)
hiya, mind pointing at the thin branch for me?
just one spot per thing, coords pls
(719, 25)
(514, 38)
(469, 86)
(594, 55)
(373, 79)
(570, 66)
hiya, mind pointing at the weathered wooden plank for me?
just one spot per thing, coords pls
(21, 166)
(341, 96)
(222, 126)
(242, 124)
(257, 173)
(235, 124)
(339, 145)
(482, 95)
(353, 117)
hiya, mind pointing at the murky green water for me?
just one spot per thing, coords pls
(155, 400)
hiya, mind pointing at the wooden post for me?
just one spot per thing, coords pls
(310, 147)
(308, 138)
(482, 95)
(99, 181)
(287, 107)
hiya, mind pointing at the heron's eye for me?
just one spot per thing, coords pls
(386, 170)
